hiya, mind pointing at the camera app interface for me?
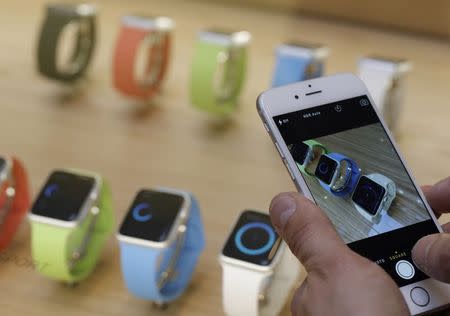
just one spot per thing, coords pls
(63, 196)
(356, 176)
(253, 239)
(152, 215)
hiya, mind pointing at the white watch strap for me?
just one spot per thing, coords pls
(242, 288)
(386, 224)
(384, 82)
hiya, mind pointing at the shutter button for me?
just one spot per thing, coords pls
(405, 269)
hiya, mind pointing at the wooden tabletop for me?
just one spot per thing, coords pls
(229, 167)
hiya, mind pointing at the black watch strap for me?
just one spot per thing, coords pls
(58, 17)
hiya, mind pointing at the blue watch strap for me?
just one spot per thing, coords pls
(142, 271)
(291, 68)
(352, 180)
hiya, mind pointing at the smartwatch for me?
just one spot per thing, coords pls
(70, 222)
(152, 34)
(385, 80)
(296, 61)
(161, 239)
(337, 174)
(59, 16)
(14, 198)
(306, 155)
(373, 196)
(258, 271)
(218, 70)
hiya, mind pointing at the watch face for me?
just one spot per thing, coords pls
(368, 195)
(2, 164)
(253, 239)
(304, 45)
(63, 196)
(326, 169)
(219, 31)
(3, 186)
(152, 215)
(299, 152)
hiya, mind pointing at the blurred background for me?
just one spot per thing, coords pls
(426, 17)
(230, 167)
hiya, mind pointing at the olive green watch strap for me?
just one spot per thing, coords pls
(56, 249)
(207, 60)
(312, 144)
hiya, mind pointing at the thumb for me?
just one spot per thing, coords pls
(307, 231)
(432, 255)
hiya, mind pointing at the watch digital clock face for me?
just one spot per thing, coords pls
(299, 152)
(63, 195)
(326, 168)
(253, 239)
(368, 195)
(152, 215)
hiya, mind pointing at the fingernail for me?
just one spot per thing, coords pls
(282, 209)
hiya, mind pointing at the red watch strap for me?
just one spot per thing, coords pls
(124, 59)
(19, 204)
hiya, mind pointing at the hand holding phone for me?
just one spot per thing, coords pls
(431, 253)
(340, 154)
(339, 280)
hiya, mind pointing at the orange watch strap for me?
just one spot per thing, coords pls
(19, 205)
(124, 59)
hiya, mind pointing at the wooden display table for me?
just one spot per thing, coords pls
(229, 167)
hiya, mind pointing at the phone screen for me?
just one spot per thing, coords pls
(356, 176)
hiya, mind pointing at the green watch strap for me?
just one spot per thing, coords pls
(312, 145)
(53, 246)
(204, 68)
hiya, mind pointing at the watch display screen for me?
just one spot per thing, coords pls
(253, 239)
(152, 215)
(63, 196)
(3, 186)
(304, 45)
(218, 31)
(299, 152)
(368, 195)
(351, 129)
(325, 169)
(2, 164)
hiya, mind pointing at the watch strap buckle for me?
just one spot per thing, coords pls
(170, 272)
(81, 250)
(227, 73)
(10, 193)
(154, 42)
(263, 296)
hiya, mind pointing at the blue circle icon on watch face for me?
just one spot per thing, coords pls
(139, 214)
(323, 168)
(50, 190)
(255, 238)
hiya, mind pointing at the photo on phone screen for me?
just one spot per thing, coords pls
(356, 176)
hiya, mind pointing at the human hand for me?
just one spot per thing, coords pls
(432, 253)
(339, 281)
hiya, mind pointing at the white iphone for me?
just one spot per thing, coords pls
(341, 155)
